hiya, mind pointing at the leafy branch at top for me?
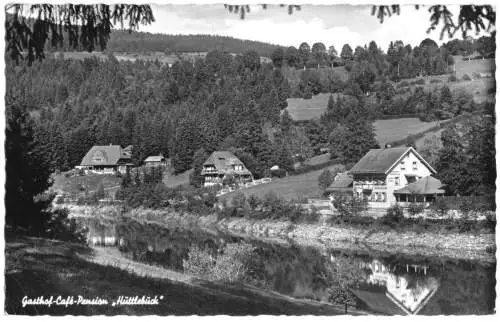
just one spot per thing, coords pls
(470, 17)
(242, 10)
(85, 25)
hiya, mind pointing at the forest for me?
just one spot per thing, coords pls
(123, 41)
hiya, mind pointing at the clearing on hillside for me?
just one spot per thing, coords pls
(79, 184)
(397, 129)
(301, 109)
(469, 67)
(181, 179)
(292, 187)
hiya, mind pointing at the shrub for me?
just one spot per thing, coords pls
(230, 265)
(467, 207)
(60, 199)
(393, 215)
(491, 249)
(403, 84)
(210, 199)
(325, 179)
(253, 202)
(415, 208)
(349, 206)
(280, 173)
(466, 77)
(198, 263)
(439, 207)
(476, 75)
(420, 81)
(452, 79)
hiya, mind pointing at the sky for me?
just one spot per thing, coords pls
(332, 25)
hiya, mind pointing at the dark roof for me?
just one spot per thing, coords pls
(425, 186)
(155, 158)
(380, 161)
(343, 182)
(378, 302)
(104, 155)
(223, 160)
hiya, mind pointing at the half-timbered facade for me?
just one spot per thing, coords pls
(221, 164)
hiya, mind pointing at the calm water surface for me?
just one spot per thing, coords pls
(386, 284)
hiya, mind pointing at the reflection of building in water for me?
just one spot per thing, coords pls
(396, 294)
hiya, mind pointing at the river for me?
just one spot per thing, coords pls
(382, 284)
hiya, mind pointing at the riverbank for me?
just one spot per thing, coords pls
(323, 236)
(38, 267)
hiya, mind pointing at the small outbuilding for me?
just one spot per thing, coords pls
(155, 161)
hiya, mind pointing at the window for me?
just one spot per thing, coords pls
(402, 165)
(414, 165)
(382, 195)
(396, 181)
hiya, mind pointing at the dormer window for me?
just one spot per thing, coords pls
(403, 165)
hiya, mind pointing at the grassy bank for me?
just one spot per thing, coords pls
(370, 235)
(40, 267)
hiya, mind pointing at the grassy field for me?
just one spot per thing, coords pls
(291, 187)
(78, 184)
(419, 143)
(172, 180)
(397, 129)
(39, 267)
(469, 67)
(319, 159)
(301, 109)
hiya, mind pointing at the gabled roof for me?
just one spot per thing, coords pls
(382, 161)
(155, 158)
(342, 183)
(108, 155)
(223, 161)
(379, 302)
(425, 186)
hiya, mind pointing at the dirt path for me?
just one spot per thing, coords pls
(39, 267)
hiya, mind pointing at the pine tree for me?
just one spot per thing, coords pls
(196, 179)
(27, 174)
(186, 143)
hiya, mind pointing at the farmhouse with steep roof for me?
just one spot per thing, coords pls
(106, 159)
(390, 175)
(221, 164)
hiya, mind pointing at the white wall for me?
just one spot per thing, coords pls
(421, 172)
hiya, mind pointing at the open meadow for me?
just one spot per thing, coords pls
(397, 129)
(292, 187)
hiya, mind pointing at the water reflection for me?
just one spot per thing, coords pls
(389, 284)
(402, 293)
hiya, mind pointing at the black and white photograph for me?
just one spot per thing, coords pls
(242, 158)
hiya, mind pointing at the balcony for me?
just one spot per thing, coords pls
(209, 170)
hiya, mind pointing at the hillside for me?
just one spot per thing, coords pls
(163, 58)
(292, 187)
(293, 74)
(181, 179)
(303, 109)
(75, 185)
(123, 41)
(392, 130)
